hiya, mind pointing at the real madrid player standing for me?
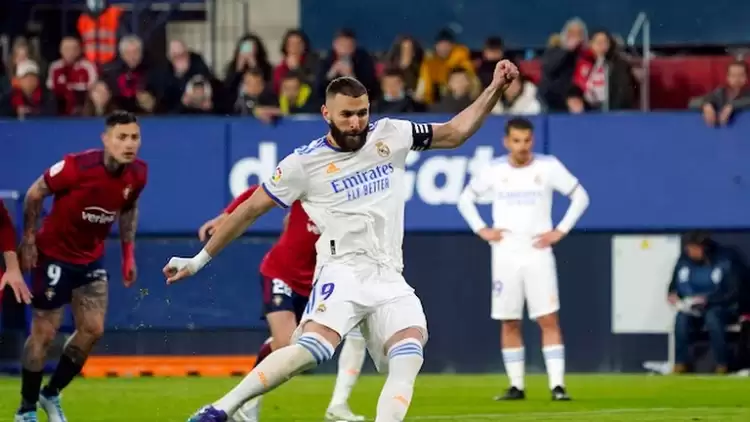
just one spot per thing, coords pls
(351, 184)
(521, 185)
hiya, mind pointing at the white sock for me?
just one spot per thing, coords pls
(249, 412)
(554, 359)
(310, 350)
(405, 359)
(515, 366)
(350, 364)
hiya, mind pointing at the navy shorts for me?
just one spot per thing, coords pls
(53, 281)
(278, 296)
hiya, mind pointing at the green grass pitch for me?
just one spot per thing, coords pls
(437, 398)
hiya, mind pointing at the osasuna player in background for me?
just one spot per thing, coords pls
(351, 184)
(91, 190)
(521, 185)
(286, 275)
(12, 276)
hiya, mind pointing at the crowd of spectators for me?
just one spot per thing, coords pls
(581, 72)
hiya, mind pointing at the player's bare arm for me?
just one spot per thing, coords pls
(234, 225)
(32, 210)
(460, 128)
(128, 226)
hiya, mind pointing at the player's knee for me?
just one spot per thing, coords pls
(319, 347)
(548, 322)
(512, 327)
(43, 333)
(42, 336)
(412, 333)
(332, 336)
(92, 328)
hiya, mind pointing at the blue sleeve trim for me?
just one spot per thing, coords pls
(278, 201)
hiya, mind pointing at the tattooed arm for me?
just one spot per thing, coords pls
(32, 209)
(128, 226)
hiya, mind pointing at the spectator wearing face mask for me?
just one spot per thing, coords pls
(395, 99)
(436, 68)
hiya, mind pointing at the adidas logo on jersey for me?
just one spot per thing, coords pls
(332, 169)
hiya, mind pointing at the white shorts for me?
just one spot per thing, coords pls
(523, 274)
(377, 299)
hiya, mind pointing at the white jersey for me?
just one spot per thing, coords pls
(355, 198)
(522, 196)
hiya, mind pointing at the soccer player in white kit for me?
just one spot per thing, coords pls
(351, 184)
(521, 185)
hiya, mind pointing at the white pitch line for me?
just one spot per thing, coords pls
(535, 415)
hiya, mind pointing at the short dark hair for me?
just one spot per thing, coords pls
(696, 237)
(120, 117)
(346, 33)
(255, 72)
(345, 85)
(494, 43)
(294, 74)
(393, 72)
(518, 123)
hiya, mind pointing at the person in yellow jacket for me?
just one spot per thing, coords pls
(433, 74)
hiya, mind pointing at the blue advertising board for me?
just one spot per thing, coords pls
(643, 171)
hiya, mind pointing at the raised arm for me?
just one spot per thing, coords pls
(460, 128)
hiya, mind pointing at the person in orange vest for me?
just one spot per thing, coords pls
(98, 26)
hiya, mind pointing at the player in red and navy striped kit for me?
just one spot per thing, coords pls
(286, 275)
(12, 276)
(91, 190)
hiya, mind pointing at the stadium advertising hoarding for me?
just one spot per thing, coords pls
(653, 171)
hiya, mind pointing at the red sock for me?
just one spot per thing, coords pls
(264, 351)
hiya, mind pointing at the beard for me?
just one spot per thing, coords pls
(348, 141)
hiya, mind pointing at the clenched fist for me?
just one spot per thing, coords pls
(505, 73)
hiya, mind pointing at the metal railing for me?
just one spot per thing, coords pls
(642, 26)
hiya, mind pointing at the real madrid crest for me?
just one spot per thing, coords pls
(277, 300)
(126, 191)
(50, 293)
(321, 308)
(383, 149)
(538, 180)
